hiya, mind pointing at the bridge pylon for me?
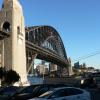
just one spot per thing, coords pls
(12, 22)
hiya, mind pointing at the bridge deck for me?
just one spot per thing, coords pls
(45, 54)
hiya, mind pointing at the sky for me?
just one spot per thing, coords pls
(77, 21)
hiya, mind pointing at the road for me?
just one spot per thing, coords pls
(95, 94)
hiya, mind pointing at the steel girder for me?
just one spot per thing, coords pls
(48, 38)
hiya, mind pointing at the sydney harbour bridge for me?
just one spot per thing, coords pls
(45, 43)
(20, 46)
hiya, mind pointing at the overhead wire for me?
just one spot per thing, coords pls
(87, 56)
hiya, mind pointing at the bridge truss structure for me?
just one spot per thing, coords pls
(45, 43)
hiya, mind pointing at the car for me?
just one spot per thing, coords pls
(94, 83)
(24, 92)
(7, 92)
(34, 91)
(65, 93)
(89, 82)
(97, 79)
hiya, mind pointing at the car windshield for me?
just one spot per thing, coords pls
(46, 94)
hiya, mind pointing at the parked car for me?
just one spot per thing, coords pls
(65, 93)
(92, 81)
(34, 91)
(7, 92)
(89, 82)
(24, 92)
(97, 80)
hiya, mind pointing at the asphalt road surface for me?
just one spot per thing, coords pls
(95, 94)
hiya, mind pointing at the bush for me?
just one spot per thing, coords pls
(2, 72)
(11, 77)
(8, 77)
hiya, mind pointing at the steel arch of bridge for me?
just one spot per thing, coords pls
(46, 42)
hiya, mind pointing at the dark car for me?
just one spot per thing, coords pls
(64, 93)
(34, 91)
(7, 92)
(24, 91)
(89, 82)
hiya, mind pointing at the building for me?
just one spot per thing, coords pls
(77, 65)
(13, 55)
(42, 69)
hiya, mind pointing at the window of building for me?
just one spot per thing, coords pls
(18, 30)
(6, 26)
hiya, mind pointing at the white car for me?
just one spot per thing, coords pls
(65, 93)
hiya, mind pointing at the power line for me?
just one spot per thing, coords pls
(88, 56)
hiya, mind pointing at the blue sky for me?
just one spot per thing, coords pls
(77, 21)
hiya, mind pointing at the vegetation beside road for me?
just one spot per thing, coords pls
(8, 77)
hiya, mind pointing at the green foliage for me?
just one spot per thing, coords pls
(8, 77)
(11, 77)
(2, 72)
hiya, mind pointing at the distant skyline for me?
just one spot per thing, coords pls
(77, 21)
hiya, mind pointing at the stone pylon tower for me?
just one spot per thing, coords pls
(12, 22)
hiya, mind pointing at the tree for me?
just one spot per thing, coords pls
(11, 77)
(8, 77)
(2, 75)
(2, 72)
